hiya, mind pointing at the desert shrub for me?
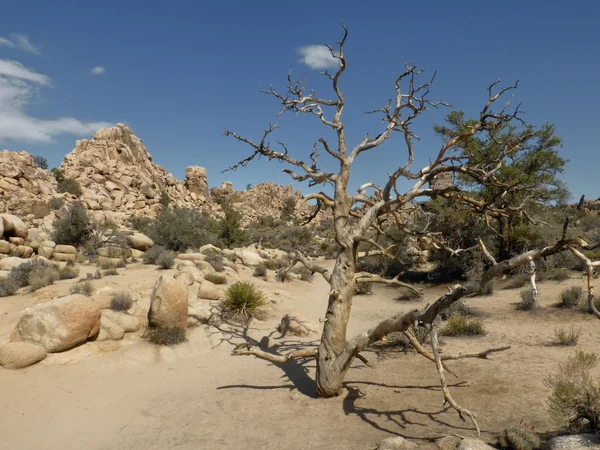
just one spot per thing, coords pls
(260, 270)
(363, 288)
(68, 273)
(179, 229)
(566, 336)
(20, 275)
(112, 271)
(528, 302)
(457, 325)
(519, 438)
(43, 277)
(83, 288)
(575, 397)
(56, 203)
(243, 302)
(215, 278)
(121, 301)
(108, 265)
(70, 185)
(486, 290)
(41, 162)
(165, 336)
(556, 274)
(282, 275)
(305, 273)
(408, 295)
(216, 261)
(74, 228)
(7, 288)
(270, 264)
(153, 253)
(165, 260)
(570, 297)
(517, 281)
(230, 226)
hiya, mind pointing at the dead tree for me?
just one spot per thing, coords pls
(336, 352)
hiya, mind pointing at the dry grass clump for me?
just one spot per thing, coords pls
(260, 271)
(83, 288)
(528, 302)
(121, 301)
(216, 261)
(215, 278)
(363, 289)
(165, 260)
(458, 325)
(244, 302)
(570, 297)
(408, 295)
(68, 273)
(109, 272)
(165, 336)
(517, 281)
(7, 288)
(519, 438)
(305, 273)
(566, 336)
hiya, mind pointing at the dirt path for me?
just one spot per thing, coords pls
(134, 395)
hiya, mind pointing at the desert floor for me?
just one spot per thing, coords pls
(132, 395)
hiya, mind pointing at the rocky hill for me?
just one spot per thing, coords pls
(119, 180)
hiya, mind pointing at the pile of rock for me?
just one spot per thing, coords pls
(119, 178)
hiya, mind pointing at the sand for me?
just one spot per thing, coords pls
(133, 395)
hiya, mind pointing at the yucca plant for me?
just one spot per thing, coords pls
(244, 302)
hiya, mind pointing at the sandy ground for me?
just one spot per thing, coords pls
(133, 395)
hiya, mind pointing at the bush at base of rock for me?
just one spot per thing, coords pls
(74, 228)
(165, 336)
(83, 288)
(165, 260)
(121, 301)
(152, 255)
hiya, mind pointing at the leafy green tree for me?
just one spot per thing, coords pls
(230, 226)
(41, 162)
(526, 180)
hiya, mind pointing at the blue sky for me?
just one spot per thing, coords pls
(180, 73)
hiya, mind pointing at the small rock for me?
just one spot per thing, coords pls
(112, 329)
(576, 442)
(396, 443)
(140, 242)
(18, 355)
(11, 262)
(267, 342)
(126, 321)
(448, 442)
(473, 444)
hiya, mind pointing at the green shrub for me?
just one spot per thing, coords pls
(165, 336)
(260, 270)
(43, 277)
(215, 279)
(7, 288)
(243, 302)
(121, 301)
(73, 229)
(166, 260)
(289, 207)
(112, 271)
(528, 302)
(575, 397)
(230, 226)
(519, 438)
(270, 264)
(570, 297)
(363, 288)
(153, 253)
(458, 325)
(179, 229)
(70, 185)
(83, 288)
(566, 336)
(56, 203)
(68, 273)
(216, 261)
(41, 162)
(409, 295)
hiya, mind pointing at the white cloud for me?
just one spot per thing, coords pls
(17, 86)
(23, 42)
(5, 42)
(318, 57)
(98, 70)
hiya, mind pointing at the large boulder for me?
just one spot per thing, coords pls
(140, 241)
(5, 247)
(248, 257)
(59, 324)
(168, 304)
(65, 249)
(11, 262)
(13, 226)
(18, 355)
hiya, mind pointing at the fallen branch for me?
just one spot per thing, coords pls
(246, 349)
(366, 277)
(314, 268)
(447, 397)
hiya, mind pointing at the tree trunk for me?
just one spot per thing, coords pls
(330, 377)
(503, 239)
